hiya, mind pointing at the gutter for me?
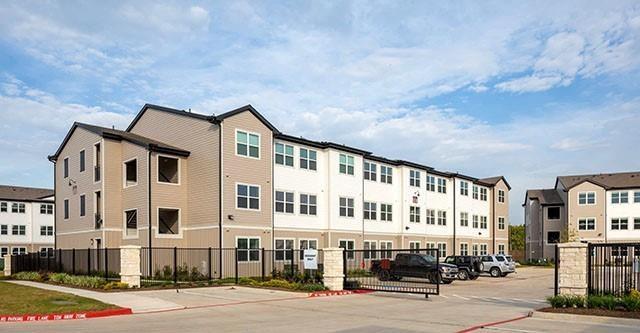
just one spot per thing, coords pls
(149, 207)
(454, 216)
(55, 215)
(493, 209)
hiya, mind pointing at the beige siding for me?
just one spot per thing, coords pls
(132, 197)
(583, 211)
(501, 210)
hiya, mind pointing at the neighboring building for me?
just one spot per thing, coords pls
(588, 208)
(26, 220)
(234, 180)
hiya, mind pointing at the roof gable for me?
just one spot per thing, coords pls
(247, 108)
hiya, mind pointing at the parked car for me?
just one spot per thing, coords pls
(414, 265)
(469, 267)
(497, 265)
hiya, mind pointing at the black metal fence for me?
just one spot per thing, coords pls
(613, 268)
(98, 262)
(404, 271)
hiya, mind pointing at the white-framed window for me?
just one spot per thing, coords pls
(284, 247)
(501, 224)
(464, 188)
(284, 202)
(66, 209)
(483, 194)
(476, 221)
(414, 178)
(442, 185)
(18, 250)
(83, 205)
(501, 198)
(431, 245)
(247, 144)
(619, 197)
(475, 192)
(370, 249)
(46, 209)
(483, 222)
(431, 216)
(168, 170)
(475, 250)
(346, 164)
(247, 196)
(18, 230)
(501, 248)
(414, 214)
(348, 245)
(46, 230)
(587, 224)
(370, 171)
(284, 154)
(619, 223)
(306, 244)
(308, 204)
(82, 161)
(442, 250)
(385, 250)
(386, 212)
(386, 174)
(97, 157)
(46, 252)
(346, 207)
(464, 249)
(3, 207)
(4, 229)
(248, 248)
(586, 198)
(370, 211)
(431, 183)
(130, 171)
(620, 251)
(483, 249)
(464, 219)
(18, 207)
(308, 159)
(442, 217)
(65, 167)
(636, 226)
(131, 223)
(636, 197)
(4, 251)
(414, 246)
(169, 222)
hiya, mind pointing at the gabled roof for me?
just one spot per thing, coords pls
(113, 134)
(169, 110)
(248, 107)
(495, 180)
(19, 193)
(546, 197)
(607, 181)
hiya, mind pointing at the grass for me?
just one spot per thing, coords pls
(23, 300)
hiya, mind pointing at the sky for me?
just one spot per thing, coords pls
(528, 90)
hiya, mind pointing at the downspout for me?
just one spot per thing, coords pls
(493, 210)
(541, 217)
(55, 216)
(273, 193)
(454, 216)
(362, 202)
(149, 207)
(220, 245)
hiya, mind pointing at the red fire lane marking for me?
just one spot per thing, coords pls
(64, 316)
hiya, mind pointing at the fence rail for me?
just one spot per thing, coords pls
(98, 262)
(613, 268)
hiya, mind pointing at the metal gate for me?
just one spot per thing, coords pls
(613, 268)
(400, 271)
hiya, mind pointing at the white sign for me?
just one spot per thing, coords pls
(310, 259)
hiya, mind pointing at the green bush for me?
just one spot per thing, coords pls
(28, 276)
(116, 285)
(567, 301)
(58, 277)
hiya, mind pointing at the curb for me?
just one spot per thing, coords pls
(338, 293)
(64, 316)
(588, 318)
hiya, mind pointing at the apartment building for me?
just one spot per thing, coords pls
(176, 178)
(26, 220)
(588, 208)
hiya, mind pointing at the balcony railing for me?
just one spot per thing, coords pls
(96, 173)
(98, 221)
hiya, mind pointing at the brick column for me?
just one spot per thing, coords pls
(333, 268)
(7, 265)
(130, 265)
(572, 273)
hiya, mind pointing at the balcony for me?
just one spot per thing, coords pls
(98, 221)
(96, 173)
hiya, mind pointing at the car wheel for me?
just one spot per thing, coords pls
(463, 275)
(447, 281)
(474, 277)
(384, 275)
(495, 272)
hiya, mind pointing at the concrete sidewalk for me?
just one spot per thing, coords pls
(136, 302)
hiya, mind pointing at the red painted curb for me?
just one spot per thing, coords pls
(338, 293)
(64, 316)
(495, 323)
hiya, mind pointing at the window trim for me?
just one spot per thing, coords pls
(466, 250)
(466, 219)
(308, 204)
(464, 188)
(415, 215)
(65, 167)
(284, 155)
(504, 223)
(174, 236)
(369, 211)
(276, 250)
(80, 197)
(308, 158)
(346, 165)
(95, 161)
(82, 161)
(66, 209)
(373, 173)
(259, 198)
(619, 223)
(283, 202)
(501, 197)
(300, 240)
(347, 207)
(388, 177)
(415, 178)
(386, 212)
(235, 141)
(124, 173)
(445, 249)
(441, 187)
(124, 224)
(586, 223)
(249, 249)
(346, 249)
(586, 198)
(158, 169)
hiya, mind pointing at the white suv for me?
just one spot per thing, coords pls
(497, 265)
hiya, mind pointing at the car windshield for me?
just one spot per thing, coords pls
(509, 258)
(500, 258)
(428, 258)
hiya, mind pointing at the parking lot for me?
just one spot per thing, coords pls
(461, 305)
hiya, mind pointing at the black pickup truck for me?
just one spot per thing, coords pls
(469, 267)
(414, 265)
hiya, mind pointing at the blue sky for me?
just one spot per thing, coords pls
(530, 91)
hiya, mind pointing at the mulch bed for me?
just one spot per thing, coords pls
(594, 312)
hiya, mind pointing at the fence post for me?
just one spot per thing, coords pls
(589, 254)
(335, 268)
(236, 257)
(88, 261)
(572, 272)
(293, 271)
(130, 265)
(7, 264)
(73, 261)
(175, 265)
(555, 271)
(209, 263)
(48, 260)
(59, 260)
(262, 261)
(106, 263)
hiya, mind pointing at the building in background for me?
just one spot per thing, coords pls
(26, 220)
(588, 208)
(176, 178)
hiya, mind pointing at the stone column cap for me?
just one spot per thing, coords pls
(572, 244)
(130, 247)
(332, 249)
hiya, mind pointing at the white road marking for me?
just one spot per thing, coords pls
(458, 296)
(445, 296)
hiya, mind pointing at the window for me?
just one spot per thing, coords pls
(476, 221)
(386, 174)
(247, 144)
(464, 249)
(587, 198)
(442, 250)
(346, 207)
(553, 237)
(501, 224)
(308, 204)
(636, 197)
(284, 154)
(431, 216)
(308, 159)
(18, 250)
(431, 183)
(464, 219)
(386, 212)
(636, 223)
(284, 249)
(501, 199)
(587, 224)
(4, 229)
(414, 178)
(553, 213)
(46, 252)
(442, 185)
(18, 230)
(348, 245)
(619, 224)
(464, 188)
(248, 249)
(3, 207)
(306, 244)
(619, 251)
(500, 248)
(168, 221)
(168, 170)
(247, 197)
(46, 209)
(284, 202)
(384, 246)
(4, 251)
(46, 230)
(131, 222)
(65, 167)
(346, 164)
(475, 194)
(475, 250)
(483, 222)
(18, 207)
(370, 172)
(83, 205)
(442, 217)
(96, 167)
(66, 209)
(131, 172)
(619, 197)
(370, 211)
(414, 214)
(414, 246)
(483, 194)
(370, 248)
(483, 249)
(82, 162)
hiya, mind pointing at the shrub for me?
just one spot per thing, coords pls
(28, 276)
(58, 277)
(634, 294)
(630, 303)
(116, 285)
(567, 301)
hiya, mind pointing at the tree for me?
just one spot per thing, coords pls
(516, 237)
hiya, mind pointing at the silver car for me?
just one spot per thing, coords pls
(497, 265)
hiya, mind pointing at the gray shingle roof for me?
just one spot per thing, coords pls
(19, 193)
(606, 180)
(546, 196)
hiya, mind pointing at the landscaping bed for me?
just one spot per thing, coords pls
(627, 306)
(594, 312)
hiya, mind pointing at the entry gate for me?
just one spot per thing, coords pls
(613, 268)
(400, 271)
